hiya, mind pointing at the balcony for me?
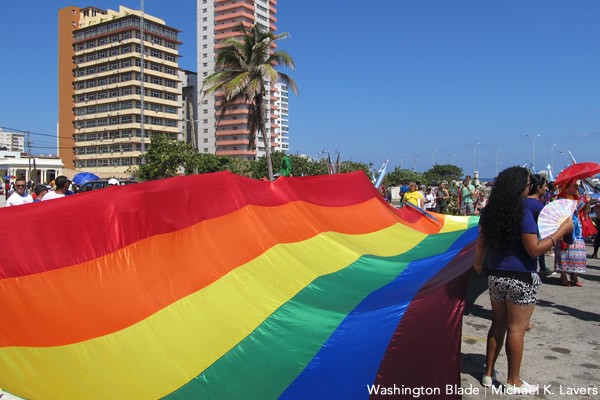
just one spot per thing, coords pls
(228, 122)
(231, 25)
(236, 152)
(233, 142)
(235, 15)
(226, 35)
(230, 111)
(230, 132)
(233, 6)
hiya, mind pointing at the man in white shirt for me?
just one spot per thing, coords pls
(62, 185)
(20, 195)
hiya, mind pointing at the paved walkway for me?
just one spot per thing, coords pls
(562, 351)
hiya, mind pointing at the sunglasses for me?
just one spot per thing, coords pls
(19, 185)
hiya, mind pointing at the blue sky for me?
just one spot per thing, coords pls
(392, 79)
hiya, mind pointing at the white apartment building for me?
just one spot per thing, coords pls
(12, 141)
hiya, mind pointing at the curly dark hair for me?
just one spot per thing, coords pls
(537, 181)
(501, 221)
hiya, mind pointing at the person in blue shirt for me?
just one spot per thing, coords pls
(535, 203)
(40, 191)
(508, 236)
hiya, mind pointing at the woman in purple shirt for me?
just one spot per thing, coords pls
(508, 236)
(535, 203)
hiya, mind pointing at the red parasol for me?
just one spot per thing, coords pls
(577, 171)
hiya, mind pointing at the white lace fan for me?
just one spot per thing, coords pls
(553, 214)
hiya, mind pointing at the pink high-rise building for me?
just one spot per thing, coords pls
(217, 20)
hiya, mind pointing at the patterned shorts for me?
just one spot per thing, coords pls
(516, 291)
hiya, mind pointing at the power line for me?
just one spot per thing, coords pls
(35, 133)
(51, 147)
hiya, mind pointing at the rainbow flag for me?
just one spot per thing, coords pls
(221, 287)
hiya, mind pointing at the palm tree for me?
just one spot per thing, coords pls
(243, 67)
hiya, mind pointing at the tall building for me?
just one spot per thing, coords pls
(12, 141)
(189, 107)
(229, 135)
(104, 122)
(282, 118)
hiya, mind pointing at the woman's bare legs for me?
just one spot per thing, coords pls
(495, 336)
(517, 319)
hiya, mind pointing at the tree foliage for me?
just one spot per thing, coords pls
(399, 175)
(351, 166)
(445, 172)
(166, 157)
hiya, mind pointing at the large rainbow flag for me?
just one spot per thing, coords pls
(222, 287)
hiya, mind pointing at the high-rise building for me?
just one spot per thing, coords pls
(189, 107)
(229, 135)
(104, 122)
(12, 141)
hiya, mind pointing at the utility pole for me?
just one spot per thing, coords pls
(192, 122)
(142, 78)
(35, 181)
(532, 139)
(29, 155)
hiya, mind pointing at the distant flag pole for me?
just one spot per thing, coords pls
(423, 212)
(330, 165)
(337, 163)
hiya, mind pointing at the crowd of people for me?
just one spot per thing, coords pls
(22, 191)
(471, 198)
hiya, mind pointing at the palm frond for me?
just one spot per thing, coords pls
(285, 78)
(245, 65)
(283, 59)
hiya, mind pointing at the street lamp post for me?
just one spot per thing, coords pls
(452, 156)
(474, 160)
(402, 159)
(533, 149)
(414, 161)
(497, 152)
(433, 157)
(552, 157)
